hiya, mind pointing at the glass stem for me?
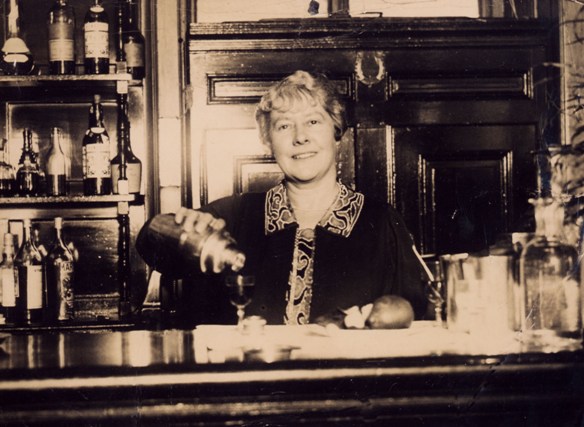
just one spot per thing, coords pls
(240, 316)
(438, 313)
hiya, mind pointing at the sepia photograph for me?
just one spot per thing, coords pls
(271, 213)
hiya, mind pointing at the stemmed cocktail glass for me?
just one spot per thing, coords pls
(240, 288)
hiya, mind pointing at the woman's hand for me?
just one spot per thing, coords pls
(197, 221)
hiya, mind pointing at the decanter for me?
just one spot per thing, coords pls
(549, 275)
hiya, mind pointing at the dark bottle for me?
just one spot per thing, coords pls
(7, 176)
(9, 279)
(96, 153)
(59, 295)
(27, 175)
(96, 37)
(56, 166)
(16, 58)
(133, 42)
(31, 277)
(127, 156)
(61, 25)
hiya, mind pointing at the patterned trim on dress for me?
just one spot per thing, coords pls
(340, 219)
(299, 294)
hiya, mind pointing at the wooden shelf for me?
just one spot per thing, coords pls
(70, 79)
(63, 200)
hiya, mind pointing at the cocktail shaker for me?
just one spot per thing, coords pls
(215, 250)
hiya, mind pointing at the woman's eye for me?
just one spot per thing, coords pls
(282, 126)
(313, 122)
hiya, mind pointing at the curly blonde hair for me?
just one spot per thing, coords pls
(299, 87)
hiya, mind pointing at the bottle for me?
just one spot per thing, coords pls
(61, 24)
(96, 36)
(7, 176)
(214, 250)
(36, 238)
(31, 277)
(133, 42)
(125, 154)
(548, 269)
(59, 295)
(16, 58)
(27, 175)
(9, 280)
(56, 166)
(96, 153)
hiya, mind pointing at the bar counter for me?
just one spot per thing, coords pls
(160, 378)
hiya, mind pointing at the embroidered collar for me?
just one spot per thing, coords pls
(339, 220)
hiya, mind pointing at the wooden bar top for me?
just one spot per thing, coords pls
(156, 377)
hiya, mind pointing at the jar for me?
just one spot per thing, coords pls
(548, 270)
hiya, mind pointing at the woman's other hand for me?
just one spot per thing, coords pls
(197, 221)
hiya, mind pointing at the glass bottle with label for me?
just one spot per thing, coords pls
(96, 153)
(59, 295)
(548, 269)
(56, 166)
(61, 25)
(125, 154)
(7, 175)
(31, 277)
(9, 280)
(133, 42)
(96, 37)
(27, 175)
(15, 58)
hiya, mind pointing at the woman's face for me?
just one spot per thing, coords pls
(303, 143)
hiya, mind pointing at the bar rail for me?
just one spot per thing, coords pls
(152, 378)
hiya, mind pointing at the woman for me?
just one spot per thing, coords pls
(314, 245)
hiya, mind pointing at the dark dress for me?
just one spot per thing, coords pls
(362, 251)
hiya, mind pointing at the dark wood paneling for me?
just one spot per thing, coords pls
(459, 187)
(446, 112)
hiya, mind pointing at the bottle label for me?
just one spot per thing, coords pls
(34, 286)
(9, 288)
(64, 280)
(96, 40)
(15, 58)
(133, 175)
(134, 54)
(61, 44)
(96, 161)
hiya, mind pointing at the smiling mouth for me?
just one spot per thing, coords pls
(304, 155)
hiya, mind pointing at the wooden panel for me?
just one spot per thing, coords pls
(464, 200)
(243, 89)
(479, 87)
(459, 187)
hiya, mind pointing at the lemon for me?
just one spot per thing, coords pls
(390, 312)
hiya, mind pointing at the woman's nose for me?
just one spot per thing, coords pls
(301, 137)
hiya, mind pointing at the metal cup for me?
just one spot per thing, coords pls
(481, 293)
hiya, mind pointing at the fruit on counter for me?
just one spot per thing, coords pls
(390, 312)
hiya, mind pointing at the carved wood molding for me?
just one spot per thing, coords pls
(244, 89)
(374, 33)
